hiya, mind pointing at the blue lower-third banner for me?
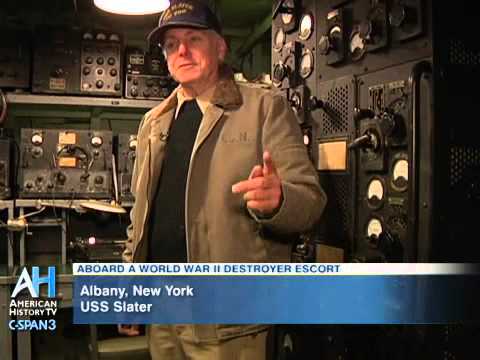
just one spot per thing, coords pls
(130, 294)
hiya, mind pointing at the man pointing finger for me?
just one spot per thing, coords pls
(263, 189)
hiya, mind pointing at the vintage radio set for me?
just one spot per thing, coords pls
(101, 62)
(125, 147)
(95, 250)
(146, 75)
(57, 163)
(6, 164)
(393, 146)
(15, 59)
(56, 61)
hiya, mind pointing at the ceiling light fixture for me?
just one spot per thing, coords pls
(129, 7)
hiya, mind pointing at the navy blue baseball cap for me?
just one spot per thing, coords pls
(185, 13)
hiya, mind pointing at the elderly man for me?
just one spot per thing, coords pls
(221, 175)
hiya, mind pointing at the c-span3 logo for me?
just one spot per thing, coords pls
(33, 283)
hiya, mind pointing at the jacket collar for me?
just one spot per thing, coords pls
(226, 96)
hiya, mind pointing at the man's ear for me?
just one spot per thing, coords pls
(222, 48)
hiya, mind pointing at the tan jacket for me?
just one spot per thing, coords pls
(240, 124)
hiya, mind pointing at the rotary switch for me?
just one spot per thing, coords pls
(280, 72)
(401, 14)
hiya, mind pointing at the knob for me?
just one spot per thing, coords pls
(388, 123)
(135, 81)
(296, 101)
(86, 70)
(100, 61)
(389, 244)
(366, 29)
(98, 180)
(113, 72)
(363, 114)
(99, 84)
(58, 73)
(280, 71)
(399, 14)
(316, 103)
(61, 178)
(89, 60)
(134, 92)
(146, 93)
(117, 86)
(324, 45)
(37, 152)
(369, 140)
(100, 71)
(111, 61)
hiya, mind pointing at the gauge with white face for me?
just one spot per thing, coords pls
(400, 175)
(306, 27)
(87, 36)
(287, 18)
(37, 139)
(375, 190)
(357, 46)
(400, 170)
(374, 228)
(114, 37)
(306, 64)
(101, 36)
(279, 40)
(96, 141)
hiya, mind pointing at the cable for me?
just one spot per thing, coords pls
(33, 213)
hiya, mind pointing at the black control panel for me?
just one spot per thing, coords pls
(65, 164)
(146, 75)
(101, 62)
(56, 61)
(15, 59)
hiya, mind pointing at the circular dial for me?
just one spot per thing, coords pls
(400, 175)
(296, 101)
(374, 228)
(37, 139)
(87, 36)
(306, 64)
(101, 36)
(132, 144)
(114, 37)
(306, 27)
(287, 17)
(279, 40)
(96, 141)
(357, 46)
(280, 71)
(375, 190)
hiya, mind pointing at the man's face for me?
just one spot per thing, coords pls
(193, 55)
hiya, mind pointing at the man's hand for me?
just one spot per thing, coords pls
(263, 189)
(128, 330)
